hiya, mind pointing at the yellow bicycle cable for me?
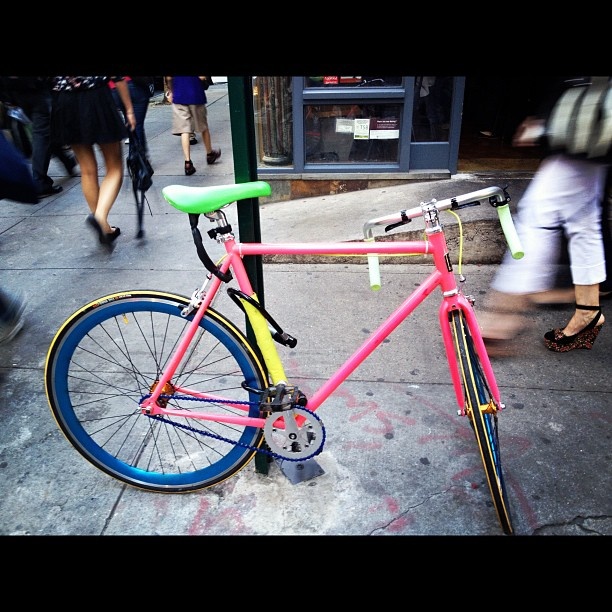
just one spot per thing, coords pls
(460, 259)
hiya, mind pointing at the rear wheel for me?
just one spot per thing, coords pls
(482, 412)
(110, 353)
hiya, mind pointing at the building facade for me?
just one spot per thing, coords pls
(357, 128)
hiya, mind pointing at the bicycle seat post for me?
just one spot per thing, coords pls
(223, 232)
(218, 216)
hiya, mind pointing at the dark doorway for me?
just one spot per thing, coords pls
(493, 107)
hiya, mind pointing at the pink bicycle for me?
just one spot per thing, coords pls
(165, 393)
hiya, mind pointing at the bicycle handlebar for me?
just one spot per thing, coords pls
(496, 196)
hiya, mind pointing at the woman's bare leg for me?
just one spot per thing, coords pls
(111, 183)
(86, 157)
(586, 295)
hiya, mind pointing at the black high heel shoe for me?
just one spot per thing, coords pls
(556, 340)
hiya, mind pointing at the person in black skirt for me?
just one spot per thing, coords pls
(84, 114)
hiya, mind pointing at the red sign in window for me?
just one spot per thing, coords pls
(341, 80)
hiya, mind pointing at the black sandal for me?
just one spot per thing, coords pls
(556, 340)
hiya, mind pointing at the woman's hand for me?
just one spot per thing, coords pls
(131, 121)
(529, 132)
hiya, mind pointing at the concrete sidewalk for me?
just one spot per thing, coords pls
(397, 459)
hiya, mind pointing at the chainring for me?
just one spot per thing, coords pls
(292, 441)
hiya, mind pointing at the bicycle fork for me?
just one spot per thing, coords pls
(461, 302)
(453, 299)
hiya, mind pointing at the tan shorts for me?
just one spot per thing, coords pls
(189, 118)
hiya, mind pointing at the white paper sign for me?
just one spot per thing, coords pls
(362, 129)
(344, 126)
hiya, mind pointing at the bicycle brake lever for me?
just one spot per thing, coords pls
(405, 220)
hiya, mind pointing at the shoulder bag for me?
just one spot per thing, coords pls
(581, 120)
(141, 173)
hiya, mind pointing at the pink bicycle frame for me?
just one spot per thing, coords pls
(442, 276)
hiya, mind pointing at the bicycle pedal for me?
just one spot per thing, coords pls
(282, 397)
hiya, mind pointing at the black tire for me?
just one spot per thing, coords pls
(105, 359)
(482, 413)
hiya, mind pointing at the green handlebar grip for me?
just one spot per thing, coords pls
(373, 269)
(514, 242)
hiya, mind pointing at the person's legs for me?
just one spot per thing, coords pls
(565, 193)
(141, 106)
(606, 232)
(37, 107)
(189, 167)
(206, 141)
(86, 157)
(200, 117)
(54, 149)
(183, 125)
(66, 157)
(212, 155)
(586, 295)
(584, 326)
(140, 102)
(111, 183)
(186, 147)
(41, 155)
(518, 281)
(540, 220)
(582, 184)
(502, 317)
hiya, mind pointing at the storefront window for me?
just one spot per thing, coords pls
(347, 133)
(353, 124)
(432, 107)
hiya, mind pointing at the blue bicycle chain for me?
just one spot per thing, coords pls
(234, 442)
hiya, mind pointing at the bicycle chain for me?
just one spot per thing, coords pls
(257, 449)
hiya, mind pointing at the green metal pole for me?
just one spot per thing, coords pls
(240, 91)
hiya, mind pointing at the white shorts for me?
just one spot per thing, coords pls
(564, 198)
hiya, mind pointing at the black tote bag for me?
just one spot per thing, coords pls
(141, 173)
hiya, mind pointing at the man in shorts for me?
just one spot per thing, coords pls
(190, 116)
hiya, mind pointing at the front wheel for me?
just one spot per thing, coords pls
(109, 354)
(482, 412)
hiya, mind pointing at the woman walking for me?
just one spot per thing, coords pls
(84, 114)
